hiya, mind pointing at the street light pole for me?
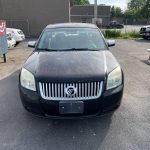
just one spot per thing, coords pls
(95, 10)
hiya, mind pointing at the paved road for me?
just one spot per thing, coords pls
(127, 129)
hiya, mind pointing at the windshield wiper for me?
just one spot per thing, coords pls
(69, 49)
(83, 49)
(48, 49)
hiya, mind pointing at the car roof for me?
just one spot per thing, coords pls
(71, 25)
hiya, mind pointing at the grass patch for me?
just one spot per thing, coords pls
(117, 34)
(112, 33)
(125, 36)
(134, 34)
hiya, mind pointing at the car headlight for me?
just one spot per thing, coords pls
(27, 80)
(114, 78)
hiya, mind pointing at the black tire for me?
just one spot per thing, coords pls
(17, 43)
(120, 27)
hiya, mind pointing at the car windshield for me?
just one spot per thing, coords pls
(72, 39)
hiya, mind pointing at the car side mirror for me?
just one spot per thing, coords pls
(111, 43)
(32, 44)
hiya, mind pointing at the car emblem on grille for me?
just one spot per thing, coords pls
(71, 90)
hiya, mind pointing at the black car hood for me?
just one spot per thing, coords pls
(70, 66)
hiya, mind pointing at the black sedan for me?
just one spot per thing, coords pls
(71, 73)
(115, 25)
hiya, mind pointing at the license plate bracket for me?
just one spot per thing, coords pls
(71, 107)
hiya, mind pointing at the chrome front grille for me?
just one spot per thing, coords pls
(70, 91)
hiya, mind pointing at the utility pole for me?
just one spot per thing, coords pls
(95, 10)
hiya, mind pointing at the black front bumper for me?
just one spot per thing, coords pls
(109, 101)
(145, 34)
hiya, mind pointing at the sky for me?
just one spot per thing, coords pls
(120, 3)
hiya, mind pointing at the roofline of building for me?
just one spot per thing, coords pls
(103, 16)
(90, 5)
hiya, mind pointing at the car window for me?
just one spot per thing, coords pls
(72, 38)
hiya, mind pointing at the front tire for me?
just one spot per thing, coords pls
(17, 43)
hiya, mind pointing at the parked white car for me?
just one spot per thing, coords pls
(16, 34)
(11, 42)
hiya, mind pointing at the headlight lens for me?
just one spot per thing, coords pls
(114, 78)
(27, 80)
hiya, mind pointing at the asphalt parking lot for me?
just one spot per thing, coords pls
(127, 129)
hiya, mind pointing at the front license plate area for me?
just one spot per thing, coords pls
(71, 107)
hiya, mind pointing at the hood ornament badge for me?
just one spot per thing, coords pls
(71, 90)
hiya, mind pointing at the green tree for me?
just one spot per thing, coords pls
(116, 12)
(136, 4)
(129, 14)
(119, 12)
(80, 2)
(145, 11)
(113, 11)
(135, 9)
